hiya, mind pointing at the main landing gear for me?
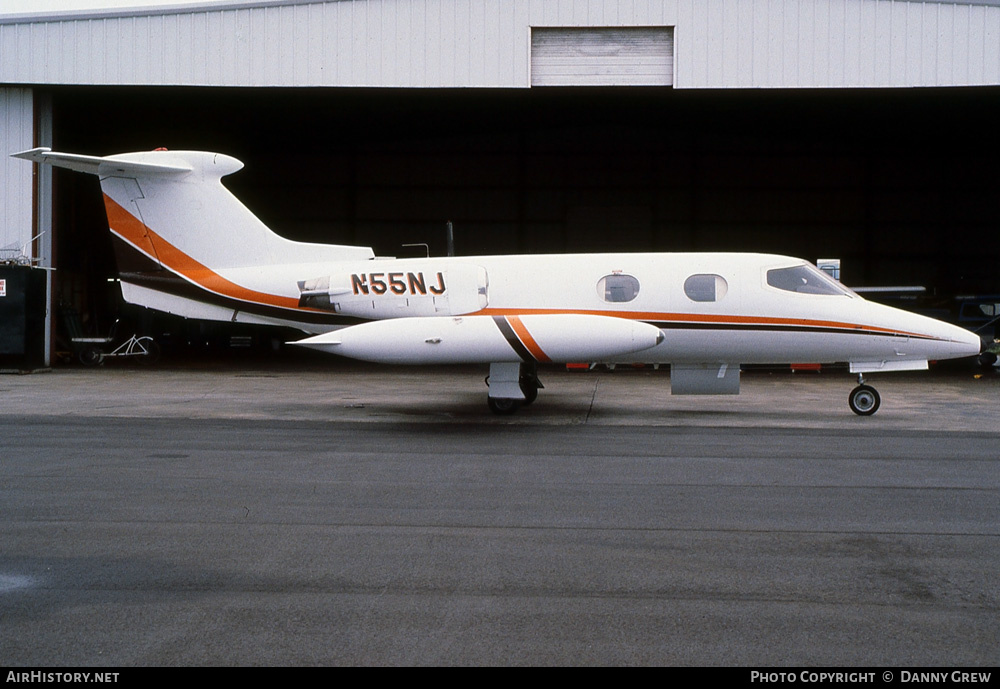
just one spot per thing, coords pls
(864, 399)
(512, 386)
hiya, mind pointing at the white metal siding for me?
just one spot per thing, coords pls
(487, 43)
(627, 56)
(16, 126)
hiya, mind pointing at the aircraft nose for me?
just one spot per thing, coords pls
(969, 342)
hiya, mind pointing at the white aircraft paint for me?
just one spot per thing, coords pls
(194, 250)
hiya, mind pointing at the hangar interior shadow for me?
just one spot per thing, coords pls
(900, 184)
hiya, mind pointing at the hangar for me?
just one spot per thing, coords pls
(861, 129)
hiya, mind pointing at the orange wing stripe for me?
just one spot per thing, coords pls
(527, 340)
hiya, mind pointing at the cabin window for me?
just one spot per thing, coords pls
(804, 279)
(705, 287)
(618, 288)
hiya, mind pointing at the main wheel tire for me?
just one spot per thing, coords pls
(503, 406)
(530, 393)
(529, 388)
(864, 400)
(529, 383)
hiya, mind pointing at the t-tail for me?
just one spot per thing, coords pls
(186, 245)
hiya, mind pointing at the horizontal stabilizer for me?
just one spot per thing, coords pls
(108, 166)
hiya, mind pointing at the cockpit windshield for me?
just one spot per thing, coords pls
(806, 279)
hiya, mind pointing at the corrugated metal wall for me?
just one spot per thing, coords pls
(379, 43)
(486, 43)
(837, 43)
(16, 134)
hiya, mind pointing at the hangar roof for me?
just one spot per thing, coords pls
(182, 6)
(489, 43)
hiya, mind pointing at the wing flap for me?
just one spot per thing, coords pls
(876, 366)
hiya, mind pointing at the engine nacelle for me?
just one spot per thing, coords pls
(391, 289)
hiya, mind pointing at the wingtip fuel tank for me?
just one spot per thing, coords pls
(556, 338)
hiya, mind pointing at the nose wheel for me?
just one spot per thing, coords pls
(864, 399)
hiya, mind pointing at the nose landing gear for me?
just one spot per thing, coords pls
(864, 399)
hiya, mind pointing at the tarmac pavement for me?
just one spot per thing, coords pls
(952, 399)
(298, 514)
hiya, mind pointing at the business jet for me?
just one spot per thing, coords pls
(187, 246)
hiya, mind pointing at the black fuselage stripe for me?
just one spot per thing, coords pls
(138, 269)
(512, 339)
(178, 287)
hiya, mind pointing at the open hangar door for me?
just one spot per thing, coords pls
(899, 184)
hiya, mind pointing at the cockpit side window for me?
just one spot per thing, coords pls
(805, 279)
(705, 287)
(618, 288)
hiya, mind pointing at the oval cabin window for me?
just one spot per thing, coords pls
(705, 287)
(618, 288)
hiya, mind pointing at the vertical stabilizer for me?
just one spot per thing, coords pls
(186, 245)
(188, 218)
(172, 206)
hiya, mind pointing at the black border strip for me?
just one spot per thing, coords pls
(178, 287)
(151, 275)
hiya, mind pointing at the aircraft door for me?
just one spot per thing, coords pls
(466, 291)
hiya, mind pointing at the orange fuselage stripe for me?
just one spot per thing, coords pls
(130, 228)
(133, 230)
(701, 318)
